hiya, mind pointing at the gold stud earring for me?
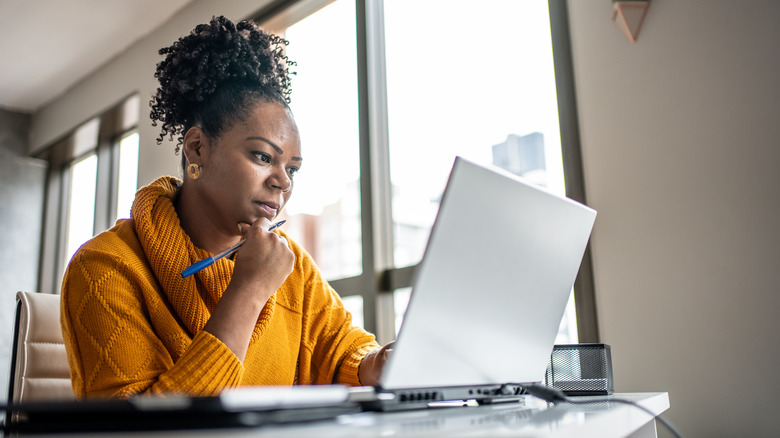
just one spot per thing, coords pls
(193, 170)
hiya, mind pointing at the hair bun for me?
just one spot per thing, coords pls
(197, 64)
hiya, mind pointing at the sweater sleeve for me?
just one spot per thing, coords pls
(335, 346)
(114, 349)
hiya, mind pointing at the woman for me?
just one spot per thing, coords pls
(132, 324)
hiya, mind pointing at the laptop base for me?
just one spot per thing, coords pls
(424, 398)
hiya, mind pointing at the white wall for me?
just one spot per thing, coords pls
(21, 216)
(681, 144)
(132, 72)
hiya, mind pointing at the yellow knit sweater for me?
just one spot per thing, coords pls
(132, 324)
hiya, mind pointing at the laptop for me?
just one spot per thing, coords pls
(489, 294)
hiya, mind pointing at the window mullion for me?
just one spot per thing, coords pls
(53, 226)
(104, 185)
(380, 164)
(113, 194)
(375, 186)
(584, 289)
(62, 226)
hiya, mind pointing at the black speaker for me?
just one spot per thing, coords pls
(581, 369)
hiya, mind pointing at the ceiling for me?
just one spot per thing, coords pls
(47, 46)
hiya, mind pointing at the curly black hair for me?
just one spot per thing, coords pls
(213, 76)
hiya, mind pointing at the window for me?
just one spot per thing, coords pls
(91, 182)
(81, 205)
(381, 125)
(127, 180)
(475, 82)
(324, 213)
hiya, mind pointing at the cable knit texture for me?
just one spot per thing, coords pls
(133, 325)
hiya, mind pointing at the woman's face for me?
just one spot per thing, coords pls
(247, 172)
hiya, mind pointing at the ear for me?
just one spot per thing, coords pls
(195, 145)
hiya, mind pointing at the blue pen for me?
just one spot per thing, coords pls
(208, 261)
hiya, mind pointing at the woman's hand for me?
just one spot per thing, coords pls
(264, 260)
(371, 366)
(262, 265)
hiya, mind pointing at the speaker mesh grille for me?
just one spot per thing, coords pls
(581, 369)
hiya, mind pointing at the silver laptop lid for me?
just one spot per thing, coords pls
(493, 284)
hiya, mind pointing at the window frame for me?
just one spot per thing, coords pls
(571, 152)
(112, 126)
(379, 277)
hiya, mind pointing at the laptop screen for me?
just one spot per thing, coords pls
(493, 285)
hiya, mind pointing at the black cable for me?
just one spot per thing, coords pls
(554, 395)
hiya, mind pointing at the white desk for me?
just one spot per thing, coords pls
(531, 418)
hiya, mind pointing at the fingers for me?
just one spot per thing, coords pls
(244, 227)
(255, 229)
(387, 350)
(387, 347)
(265, 259)
(261, 245)
(370, 369)
(262, 223)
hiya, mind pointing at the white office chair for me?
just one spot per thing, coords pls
(39, 364)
